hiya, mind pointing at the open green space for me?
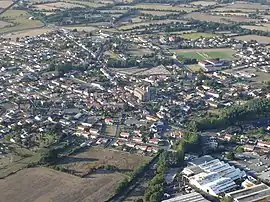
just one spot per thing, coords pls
(21, 20)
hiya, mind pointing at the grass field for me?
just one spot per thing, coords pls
(20, 19)
(96, 157)
(202, 54)
(194, 68)
(197, 35)
(46, 185)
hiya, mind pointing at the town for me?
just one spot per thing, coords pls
(135, 116)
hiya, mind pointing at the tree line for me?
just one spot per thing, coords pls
(236, 114)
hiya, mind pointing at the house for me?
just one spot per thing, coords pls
(138, 132)
(141, 147)
(177, 134)
(249, 148)
(137, 139)
(108, 121)
(263, 144)
(227, 137)
(129, 144)
(124, 135)
(94, 131)
(154, 141)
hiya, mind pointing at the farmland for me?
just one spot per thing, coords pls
(202, 54)
(95, 158)
(43, 184)
(57, 5)
(218, 18)
(260, 39)
(203, 3)
(20, 19)
(263, 27)
(5, 3)
(161, 7)
(30, 32)
(196, 35)
(87, 3)
(134, 25)
(4, 24)
(157, 13)
(16, 160)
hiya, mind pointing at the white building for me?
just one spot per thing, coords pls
(212, 175)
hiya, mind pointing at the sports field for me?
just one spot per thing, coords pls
(202, 54)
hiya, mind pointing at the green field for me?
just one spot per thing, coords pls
(197, 35)
(206, 55)
(20, 20)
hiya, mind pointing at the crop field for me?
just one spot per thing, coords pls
(4, 24)
(157, 13)
(30, 32)
(56, 6)
(93, 158)
(263, 27)
(252, 6)
(16, 160)
(80, 28)
(20, 19)
(204, 3)
(196, 35)
(156, 22)
(259, 39)
(217, 18)
(202, 54)
(231, 14)
(43, 184)
(87, 3)
(162, 7)
(5, 3)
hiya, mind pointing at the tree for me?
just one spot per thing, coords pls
(155, 197)
(227, 199)
(122, 185)
(231, 155)
(239, 149)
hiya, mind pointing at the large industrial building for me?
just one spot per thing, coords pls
(256, 193)
(192, 197)
(212, 175)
